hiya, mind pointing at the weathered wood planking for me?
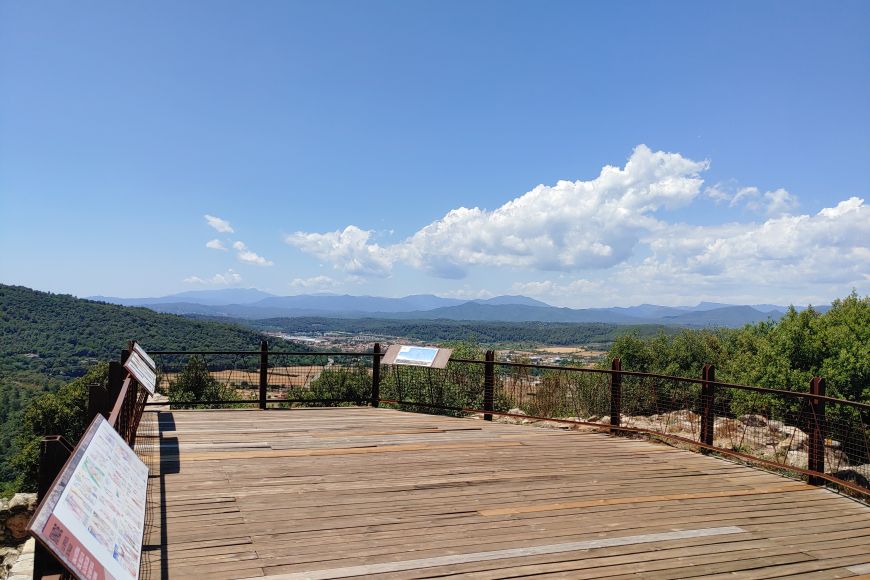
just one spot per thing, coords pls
(360, 492)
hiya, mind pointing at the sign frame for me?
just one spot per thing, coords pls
(144, 355)
(430, 357)
(56, 531)
(141, 371)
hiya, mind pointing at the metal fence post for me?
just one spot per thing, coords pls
(54, 451)
(488, 384)
(615, 393)
(376, 375)
(816, 440)
(98, 401)
(116, 381)
(708, 394)
(264, 376)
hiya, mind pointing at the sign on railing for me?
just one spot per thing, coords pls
(142, 367)
(93, 517)
(418, 356)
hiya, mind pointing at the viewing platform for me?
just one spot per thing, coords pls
(378, 493)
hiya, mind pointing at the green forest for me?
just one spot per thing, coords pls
(784, 355)
(52, 346)
(47, 340)
(485, 333)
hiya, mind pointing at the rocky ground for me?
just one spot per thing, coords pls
(16, 551)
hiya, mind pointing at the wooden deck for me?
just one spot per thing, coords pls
(376, 493)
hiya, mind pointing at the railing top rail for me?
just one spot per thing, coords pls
(768, 390)
(259, 352)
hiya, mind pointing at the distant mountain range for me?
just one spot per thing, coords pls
(254, 304)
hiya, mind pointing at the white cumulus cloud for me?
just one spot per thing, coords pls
(771, 203)
(314, 283)
(246, 255)
(828, 249)
(228, 278)
(223, 226)
(348, 250)
(571, 225)
(216, 244)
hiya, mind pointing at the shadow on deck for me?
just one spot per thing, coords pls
(378, 493)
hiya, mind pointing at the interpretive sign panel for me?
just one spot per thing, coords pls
(141, 352)
(140, 370)
(418, 356)
(93, 517)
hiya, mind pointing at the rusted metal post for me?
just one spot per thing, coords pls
(376, 375)
(816, 439)
(615, 393)
(54, 451)
(264, 376)
(708, 395)
(488, 384)
(98, 401)
(116, 381)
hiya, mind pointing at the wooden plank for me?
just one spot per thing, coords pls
(239, 493)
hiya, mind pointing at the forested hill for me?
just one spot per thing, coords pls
(47, 339)
(487, 333)
(61, 336)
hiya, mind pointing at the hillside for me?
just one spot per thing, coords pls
(482, 332)
(47, 339)
(252, 304)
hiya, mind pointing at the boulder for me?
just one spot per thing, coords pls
(775, 425)
(17, 525)
(753, 420)
(793, 439)
(857, 474)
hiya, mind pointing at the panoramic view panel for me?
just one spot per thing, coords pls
(395, 289)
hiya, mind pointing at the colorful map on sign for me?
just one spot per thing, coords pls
(99, 520)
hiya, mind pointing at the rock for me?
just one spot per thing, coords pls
(517, 411)
(796, 459)
(554, 425)
(775, 425)
(22, 502)
(857, 474)
(794, 439)
(753, 420)
(594, 419)
(17, 525)
(835, 460)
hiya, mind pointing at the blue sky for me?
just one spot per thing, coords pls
(340, 142)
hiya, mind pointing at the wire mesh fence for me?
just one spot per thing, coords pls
(799, 433)
(216, 380)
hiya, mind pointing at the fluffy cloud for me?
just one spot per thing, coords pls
(228, 278)
(550, 289)
(572, 225)
(771, 203)
(246, 255)
(348, 250)
(614, 229)
(314, 283)
(831, 245)
(223, 226)
(216, 244)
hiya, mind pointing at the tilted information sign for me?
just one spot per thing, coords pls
(140, 370)
(93, 517)
(141, 352)
(418, 356)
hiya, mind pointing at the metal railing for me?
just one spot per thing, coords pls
(803, 434)
(121, 402)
